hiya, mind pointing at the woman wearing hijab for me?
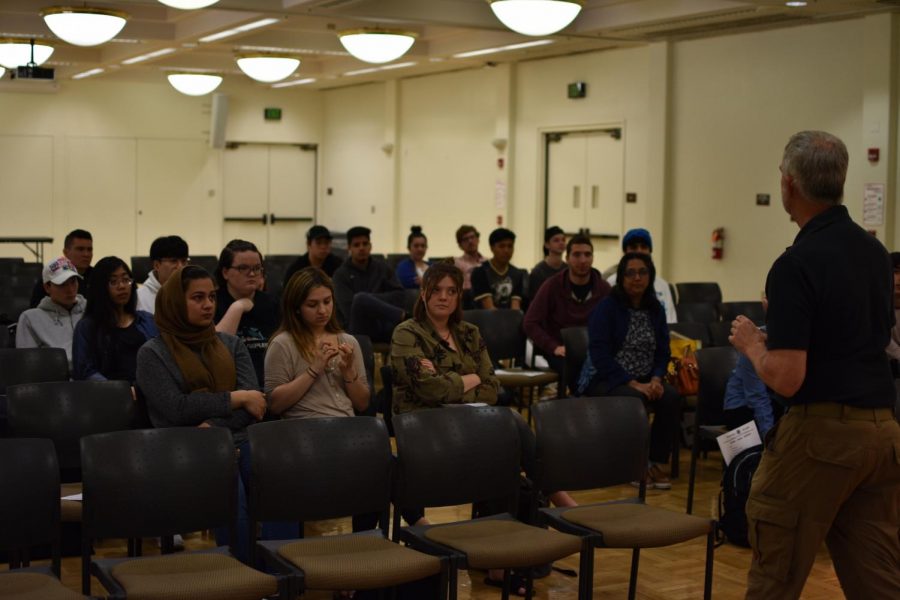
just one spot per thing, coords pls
(192, 376)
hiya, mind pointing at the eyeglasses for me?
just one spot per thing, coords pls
(248, 270)
(632, 273)
(125, 281)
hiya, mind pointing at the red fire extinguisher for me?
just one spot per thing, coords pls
(718, 243)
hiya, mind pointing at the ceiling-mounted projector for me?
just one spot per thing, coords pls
(32, 72)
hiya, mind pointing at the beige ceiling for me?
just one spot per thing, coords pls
(444, 27)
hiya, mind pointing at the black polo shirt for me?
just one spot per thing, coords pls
(831, 294)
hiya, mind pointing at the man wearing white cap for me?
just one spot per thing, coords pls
(52, 323)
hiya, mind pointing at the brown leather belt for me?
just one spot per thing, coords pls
(843, 411)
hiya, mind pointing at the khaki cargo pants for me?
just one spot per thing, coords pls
(830, 472)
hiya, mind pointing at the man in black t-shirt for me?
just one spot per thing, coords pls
(318, 254)
(831, 467)
(496, 283)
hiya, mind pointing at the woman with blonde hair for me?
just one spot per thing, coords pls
(313, 368)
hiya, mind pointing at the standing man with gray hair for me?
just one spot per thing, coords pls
(831, 466)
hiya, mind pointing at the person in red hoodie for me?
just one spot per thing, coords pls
(565, 300)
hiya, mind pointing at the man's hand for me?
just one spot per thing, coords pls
(745, 335)
(560, 351)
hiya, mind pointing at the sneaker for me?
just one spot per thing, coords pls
(657, 479)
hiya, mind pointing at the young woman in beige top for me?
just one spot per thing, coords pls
(313, 369)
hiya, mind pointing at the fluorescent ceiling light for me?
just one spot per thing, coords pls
(520, 46)
(237, 30)
(376, 69)
(285, 84)
(536, 17)
(89, 73)
(16, 52)
(377, 45)
(194, 84)
(188, 4)
(280, 50)
(795, 3)
(84, 26)
(268, 68)
(148, 56)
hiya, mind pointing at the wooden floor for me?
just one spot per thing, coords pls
(670, 573)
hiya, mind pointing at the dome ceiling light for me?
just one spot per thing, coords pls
(536, 17)
(194, 84)
(377, 45)
(268, 67)
(18, 53)
(84, 26)
(188, 4)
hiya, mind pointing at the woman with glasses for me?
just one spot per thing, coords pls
(107, 339)
(629, 355)
(241, 308)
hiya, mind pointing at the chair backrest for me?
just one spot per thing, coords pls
(395, 259)
(158, 482)
(699, 292)
(456, 455)
(368, 356)
(325, 468)
(66, 411)
(693, 331)
(32, 365)
(387, 398)
(575, 339)
(502, 332)
(715, 366)
(410, 296)
(207, 261)
(697, 312)
(718, 333)
(29, 502)
(141, 267)
(752, 310)
(585, 443)
(12, 306)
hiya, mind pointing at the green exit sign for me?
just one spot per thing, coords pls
(272, 114)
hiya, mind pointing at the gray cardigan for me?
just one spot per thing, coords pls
(159, 380)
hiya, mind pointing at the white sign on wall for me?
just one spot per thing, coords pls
(873, 205)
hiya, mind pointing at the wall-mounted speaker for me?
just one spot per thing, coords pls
(218, 118)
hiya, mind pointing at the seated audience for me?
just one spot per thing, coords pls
(241, 308)
(112, 331)
(467, 237)
(638, 240)
(554, 245)
(629, 355)
(313, 369)
(52, 323)
(893, 348)
(496, 283)
(410, 270)
(167, 255)
(565, 300)
(193, 376)
(318, 254)
(78, 247)
(436, 357)
(366, 290)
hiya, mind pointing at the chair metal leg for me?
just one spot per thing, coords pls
(529, 584)
(86, 567)
(454, 572)
(507, 580)
(710, 549)
(694, 452)
(632, 584)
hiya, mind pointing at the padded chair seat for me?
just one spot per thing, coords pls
(69, 510)
(495, 543)
(637, 525)
(186, 576)
(358, 562)
(34, 586)
(526, 378)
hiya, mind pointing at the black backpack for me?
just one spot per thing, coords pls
(735, 491)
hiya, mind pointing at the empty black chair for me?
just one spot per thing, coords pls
(587, 443)
(752, 310)
(207, 261)
(461, 455)
(32, 365)
(575, 339)
(12, 306)
(715, 365)
(141, 267)
(368, 356)
(502, 332)
(159, 482)
(325, 468)
(708, 292)
(692, 331)
(718, 333)
(697, 312)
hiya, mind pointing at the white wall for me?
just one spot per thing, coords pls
(735, 102)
